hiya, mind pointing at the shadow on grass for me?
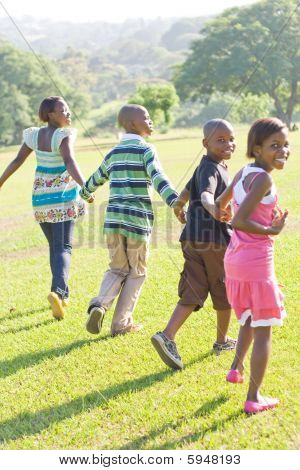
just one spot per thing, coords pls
(26, 328)
(11, 366)
(190, 438)
(26, 313)
(26, 424)
(205, 410)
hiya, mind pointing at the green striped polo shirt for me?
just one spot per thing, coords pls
(132, 168)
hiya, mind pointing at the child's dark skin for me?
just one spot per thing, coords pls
(219, 143)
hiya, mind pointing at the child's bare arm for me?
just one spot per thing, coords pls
(96, 180)
(67, 152)
(208, 202)
(224, 200)
(241, 221)
(23, 153)
(179, 205)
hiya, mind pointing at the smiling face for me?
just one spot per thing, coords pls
(220, 144)
(274, 151)
(61, 115)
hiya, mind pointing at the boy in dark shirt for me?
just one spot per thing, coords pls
(204, 241)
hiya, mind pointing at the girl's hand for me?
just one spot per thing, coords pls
(277, 213)
(227, 217)
(278, 223)
(91, 199)
(180, 213)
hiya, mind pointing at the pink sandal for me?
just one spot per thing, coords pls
(234, 377)
(254, 407)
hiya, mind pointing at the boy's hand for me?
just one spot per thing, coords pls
(180, 213)
(223, 215)
(91, 199)
(227, 217)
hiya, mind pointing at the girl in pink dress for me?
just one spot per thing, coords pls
(251, 284)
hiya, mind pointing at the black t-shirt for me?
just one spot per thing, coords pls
(211, 177)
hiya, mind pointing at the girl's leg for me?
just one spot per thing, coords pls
(243, 344)
(62, 237)
(259, 360)
(47, 230)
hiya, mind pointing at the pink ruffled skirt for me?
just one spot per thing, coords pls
(252, 287)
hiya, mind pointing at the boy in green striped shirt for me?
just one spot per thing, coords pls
(131, 167)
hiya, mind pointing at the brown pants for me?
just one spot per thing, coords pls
(203, 273)
(125, 277)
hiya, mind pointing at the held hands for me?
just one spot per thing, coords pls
(180, 213)
(91, 199)
(223, 215)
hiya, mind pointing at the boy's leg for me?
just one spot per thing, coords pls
(111, 283)
(213, 256)
(137, 254)
(179, 316)
(193, 291)
(223, 320)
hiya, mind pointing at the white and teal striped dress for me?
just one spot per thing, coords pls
(55, 195)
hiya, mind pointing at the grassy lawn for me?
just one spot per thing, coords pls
(62, 388)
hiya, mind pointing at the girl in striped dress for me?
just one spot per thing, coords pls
(55, 197)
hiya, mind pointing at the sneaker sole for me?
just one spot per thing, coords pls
(57, 309)
(94, 322)
(159, 345)
(221, 351)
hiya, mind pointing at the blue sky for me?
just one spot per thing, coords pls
(115, 10)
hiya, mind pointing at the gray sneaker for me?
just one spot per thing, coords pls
(229, 345)
(167, 350)
(95, 320)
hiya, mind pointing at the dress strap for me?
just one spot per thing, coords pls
(239, 190)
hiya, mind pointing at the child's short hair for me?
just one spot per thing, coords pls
(47, 106)
(261, 130)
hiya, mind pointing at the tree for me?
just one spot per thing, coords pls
(158, 98)
(253, 49)
(15, 113)
(24, 83)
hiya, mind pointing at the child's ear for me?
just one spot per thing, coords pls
(132, 125)
(256, 150)
(204, 143)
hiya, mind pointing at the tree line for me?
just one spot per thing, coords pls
(244, 63)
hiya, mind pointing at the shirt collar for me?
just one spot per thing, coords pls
(222, 162)
(128, 136)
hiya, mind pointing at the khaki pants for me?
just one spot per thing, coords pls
(125, 277)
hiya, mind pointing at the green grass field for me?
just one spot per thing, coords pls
(62, 388)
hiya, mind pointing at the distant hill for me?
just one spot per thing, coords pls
(51, 38)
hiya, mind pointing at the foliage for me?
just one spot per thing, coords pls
(244, 109)
(24, 81)
(159, 99)
(15, 113)
(252, 49)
